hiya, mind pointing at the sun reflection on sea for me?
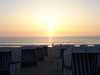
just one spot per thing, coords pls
(50, 41)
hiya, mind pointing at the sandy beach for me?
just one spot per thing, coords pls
(45, 67)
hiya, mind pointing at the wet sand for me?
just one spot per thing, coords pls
(45, 67)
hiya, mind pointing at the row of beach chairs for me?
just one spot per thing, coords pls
(15, 57)
(77, 59)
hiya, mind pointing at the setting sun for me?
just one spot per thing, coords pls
(50, 17)
(50, 30)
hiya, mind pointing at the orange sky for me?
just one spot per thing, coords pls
(37, 17)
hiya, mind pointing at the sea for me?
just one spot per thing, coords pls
(47, 40)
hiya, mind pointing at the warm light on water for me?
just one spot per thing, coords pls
(47, 40)
(49, 45)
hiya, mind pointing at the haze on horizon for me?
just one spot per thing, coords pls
(50, 17)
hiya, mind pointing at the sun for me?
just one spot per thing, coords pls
(50, 30)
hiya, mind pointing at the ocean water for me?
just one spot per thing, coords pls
(33, 40)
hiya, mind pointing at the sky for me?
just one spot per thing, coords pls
(49, 17)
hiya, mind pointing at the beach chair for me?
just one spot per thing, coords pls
(57, 57)
(10, 59)
(98, 46)
(81, 61)
(63, 48)
(45, 50)
(39, 53)
(28, 56)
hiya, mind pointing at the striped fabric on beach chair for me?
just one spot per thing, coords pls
(45, 50)
(28, 56)
(81, 61)
(10, 61)
(39, 53)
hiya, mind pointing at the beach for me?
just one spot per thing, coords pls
(45, 67)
